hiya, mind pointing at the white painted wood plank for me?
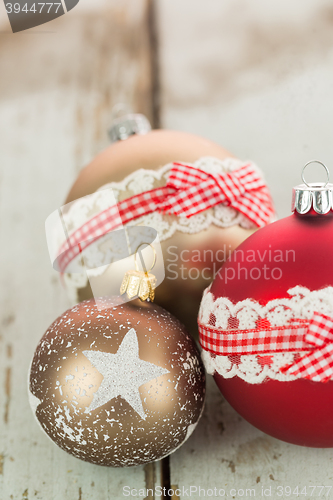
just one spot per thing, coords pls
(227, 453)
(56, 94)
(257, 78)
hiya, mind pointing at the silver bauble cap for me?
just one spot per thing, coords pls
(127, 124)
(318, 196)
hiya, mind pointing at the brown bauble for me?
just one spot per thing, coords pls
(188, 272)
(119, 387)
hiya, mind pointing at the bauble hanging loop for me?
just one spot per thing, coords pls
(125, 124)
(316, 196)
(140, 283)
(320, 163)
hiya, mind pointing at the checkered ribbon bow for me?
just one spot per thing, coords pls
(188, 191)
(315, 336)
(196, 191)
(317, 365)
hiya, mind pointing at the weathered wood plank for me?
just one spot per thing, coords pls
(253, 76)
(225, 452)
(57, 90)
(256, 77)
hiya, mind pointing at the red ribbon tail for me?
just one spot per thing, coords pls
(316, 365)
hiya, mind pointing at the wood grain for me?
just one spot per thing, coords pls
(227, 453)
(257, 78)
(57, 88)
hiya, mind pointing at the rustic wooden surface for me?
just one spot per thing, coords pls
(226, 452)
(257, 78)
(57, 87)
(57, 90)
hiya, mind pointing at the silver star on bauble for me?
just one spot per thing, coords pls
(123, 372)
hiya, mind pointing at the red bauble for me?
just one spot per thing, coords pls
(293, 252)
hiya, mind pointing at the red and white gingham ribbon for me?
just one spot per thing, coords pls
(315, 336)
(188, 191)
(318, 364)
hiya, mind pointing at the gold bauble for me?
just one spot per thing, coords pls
(188, 272)
(121, 386)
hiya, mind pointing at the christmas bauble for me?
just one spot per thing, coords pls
(195, 245)
(121, 386)
(266, 324)
(149, 151)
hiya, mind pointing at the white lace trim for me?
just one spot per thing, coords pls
(249, 368)
(254, 368)
(166, 225)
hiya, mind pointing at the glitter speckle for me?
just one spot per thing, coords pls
(123, 372)
(160, 368)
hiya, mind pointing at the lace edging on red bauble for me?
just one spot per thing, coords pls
(283, 340)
